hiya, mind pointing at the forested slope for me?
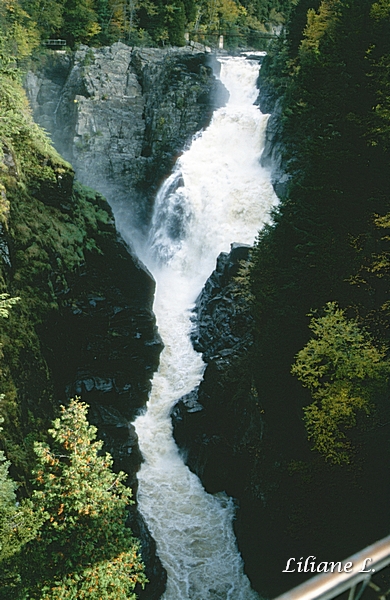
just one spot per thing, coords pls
(76, 318)
(329, 240)
(324, 262)
(143, 22)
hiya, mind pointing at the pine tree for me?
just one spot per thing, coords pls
(83, 549)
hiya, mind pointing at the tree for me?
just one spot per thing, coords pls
(18, 32)
(47, 14)
(119, 20)
(5, 304)
(175, 20)
(83, 549)
(19, 524)
(80, 21)
(217, 15)
(343, 370)
(320, 24)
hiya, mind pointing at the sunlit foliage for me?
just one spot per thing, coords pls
(343, 370)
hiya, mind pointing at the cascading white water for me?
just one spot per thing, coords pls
(218, 194)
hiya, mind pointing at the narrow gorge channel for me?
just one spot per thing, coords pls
(217, 194)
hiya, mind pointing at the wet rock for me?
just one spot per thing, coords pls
(222, 324)
(103, 343)
(273, 153)
(217, 423)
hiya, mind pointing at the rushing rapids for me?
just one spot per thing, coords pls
(217, 194)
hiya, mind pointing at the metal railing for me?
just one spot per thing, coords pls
(355, 570)
(54, 42)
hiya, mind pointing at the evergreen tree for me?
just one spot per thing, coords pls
(175, 19)
(83, 549)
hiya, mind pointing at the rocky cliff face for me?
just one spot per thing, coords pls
(121, 116)
(273, 154)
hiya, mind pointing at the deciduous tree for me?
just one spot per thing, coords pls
(342, 368)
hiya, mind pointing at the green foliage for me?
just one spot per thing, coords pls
(5, 304)
(47, 14)
(83, 549)
(340, 350)
(175, 20)
(24, 23)
(80, 21)
(330, 234)
(47, 239)
(23, 139)
(50, 227)
(18, 522)
(343, 370)
(18, 33)
(319, 24)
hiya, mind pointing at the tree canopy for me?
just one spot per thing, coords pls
(329, 238)
(25, 23)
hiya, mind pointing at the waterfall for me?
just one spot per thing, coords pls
(217, 194)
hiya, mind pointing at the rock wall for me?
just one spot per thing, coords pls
(121, 116)
(273, 154)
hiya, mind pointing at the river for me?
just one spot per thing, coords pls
(217, 194)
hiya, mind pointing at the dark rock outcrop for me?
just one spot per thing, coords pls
(103, 345)
(273, 153)
(222, 325)
(219, 424)
(222, 430)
